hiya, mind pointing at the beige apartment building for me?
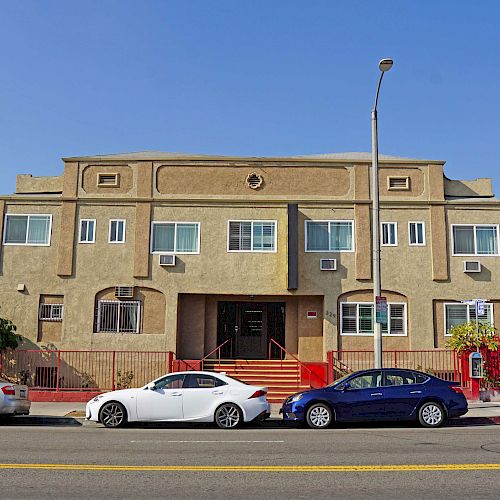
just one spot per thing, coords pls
(158, 251)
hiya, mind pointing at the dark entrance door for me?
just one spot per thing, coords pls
(250, 326)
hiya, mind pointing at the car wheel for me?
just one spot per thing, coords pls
(431, 414)
(228, 416)
(113, 414)
(319, 416)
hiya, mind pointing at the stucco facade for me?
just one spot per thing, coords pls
(179, 307)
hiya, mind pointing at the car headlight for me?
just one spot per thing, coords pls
(296, 398)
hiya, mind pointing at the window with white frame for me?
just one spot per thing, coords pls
(329, 236)
(458, 314)
(357, 319)
(475, 239)
(118, 316)
(252, 236)
(389, 234)
(87, 231)
(51, 312)
(416, 233)
(175, 237)
(33, 230)
(117, 231)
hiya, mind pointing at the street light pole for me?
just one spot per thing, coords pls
(384, 65)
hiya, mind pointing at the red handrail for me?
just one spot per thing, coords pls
(282, 349)
(218, 348)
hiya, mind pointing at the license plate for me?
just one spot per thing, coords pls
(22, 393)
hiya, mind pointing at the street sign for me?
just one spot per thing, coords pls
(480, 307)
(381, 309)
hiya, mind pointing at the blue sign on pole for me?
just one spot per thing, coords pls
(480, 308)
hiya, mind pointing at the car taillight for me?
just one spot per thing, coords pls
(457, 389)
(9, 390)
(258, 394)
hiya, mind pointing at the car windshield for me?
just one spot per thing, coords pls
(339, 380)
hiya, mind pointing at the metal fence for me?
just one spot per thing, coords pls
(83, 370)
(443, 363)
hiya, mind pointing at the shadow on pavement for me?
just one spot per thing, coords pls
(41, 421)
(273, 423)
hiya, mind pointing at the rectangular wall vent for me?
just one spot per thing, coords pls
(107, 179)
(328, 264)
(167, 259)
(472, 266)
(398, 183)
(124, 292)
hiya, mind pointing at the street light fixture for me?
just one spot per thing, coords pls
(384, 65)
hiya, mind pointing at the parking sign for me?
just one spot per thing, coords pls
(480, 307)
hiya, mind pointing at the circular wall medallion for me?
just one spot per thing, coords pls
(254, 180)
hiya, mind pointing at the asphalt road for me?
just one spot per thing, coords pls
(193, 462)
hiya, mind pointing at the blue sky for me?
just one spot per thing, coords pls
(257, 78)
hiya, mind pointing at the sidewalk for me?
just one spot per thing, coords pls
(477, 409)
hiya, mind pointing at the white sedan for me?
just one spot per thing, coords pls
(183, 397)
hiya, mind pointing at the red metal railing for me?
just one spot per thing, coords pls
(443, 363)
(302, 365)
(218, 350)
(83, 370)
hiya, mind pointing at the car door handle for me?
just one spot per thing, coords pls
(415, 392)
(176, 394)
(217, 392)
(376, 394)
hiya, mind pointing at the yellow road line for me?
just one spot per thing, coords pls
(258, 468)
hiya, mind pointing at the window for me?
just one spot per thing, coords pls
(118, 316)
(458, 314)
(87, 231)
(357, 319)
(252, 236)
(389, 232)
(51, 312)
(175, 237)
(107, 180)
(202, 382)
(170, 382)
(416, 233)
(117, 231)
(33, 230)
(366, 381)
(329, 236)
(475, 239)
(404, 377)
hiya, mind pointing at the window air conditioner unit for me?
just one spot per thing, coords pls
(167, 259)
(328, 264)
(472, 266)
(124, 292)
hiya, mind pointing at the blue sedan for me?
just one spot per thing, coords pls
(387, 394)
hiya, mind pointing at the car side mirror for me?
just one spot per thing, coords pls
(151, 386)
(346, 386)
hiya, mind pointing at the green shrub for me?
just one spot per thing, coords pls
(466, 338)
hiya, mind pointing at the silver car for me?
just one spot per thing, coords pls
(13, 399)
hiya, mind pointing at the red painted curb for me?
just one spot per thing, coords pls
(62, 397)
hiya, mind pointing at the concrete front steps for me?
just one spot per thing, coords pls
(282, 378)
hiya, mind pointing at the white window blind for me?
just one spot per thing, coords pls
(252, 236)
(459, 314)
(357, 319)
